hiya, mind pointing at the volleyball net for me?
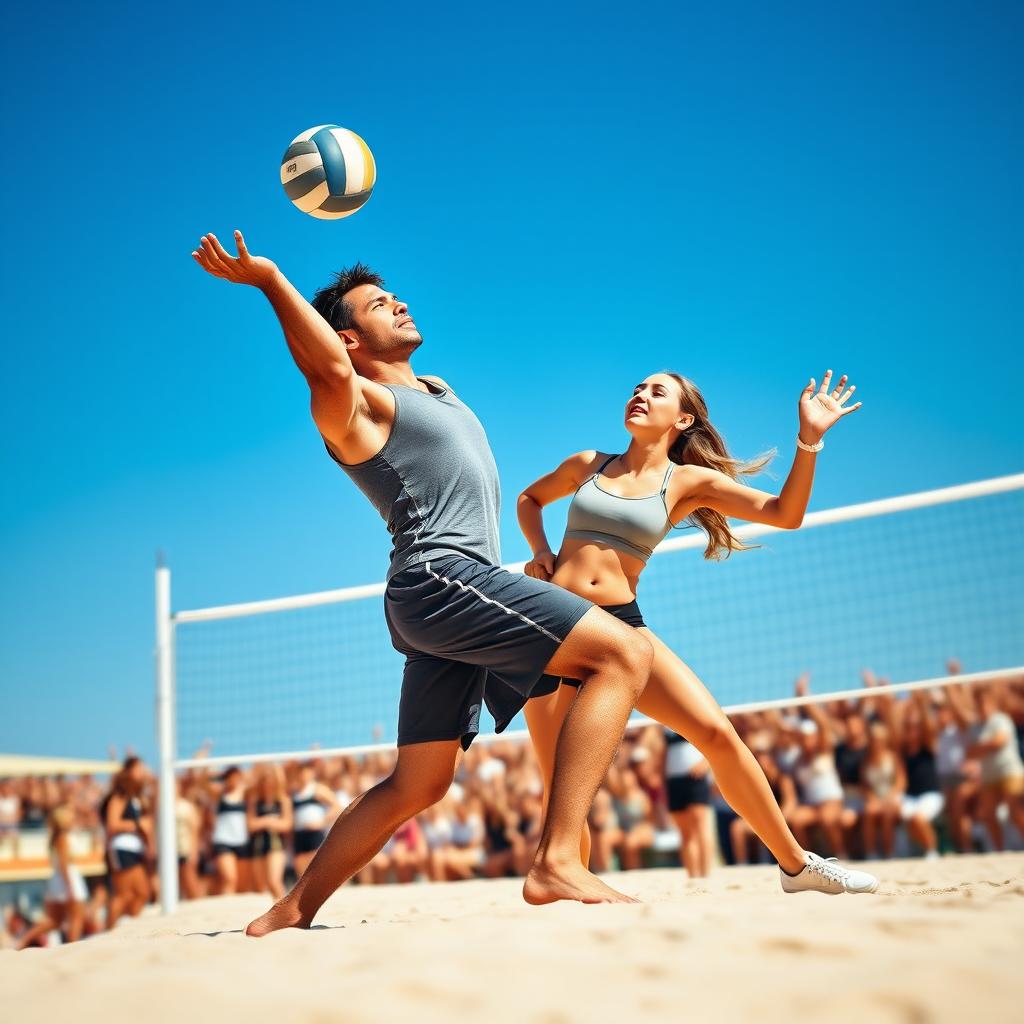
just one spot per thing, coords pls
(896, 586)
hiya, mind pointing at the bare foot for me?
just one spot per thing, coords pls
(546, 884)
(280, 915)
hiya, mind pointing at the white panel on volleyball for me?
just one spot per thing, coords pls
(312, 199)
(299, 165)
(355, 162)
(307, 135)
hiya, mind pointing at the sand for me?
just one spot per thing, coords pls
(941, 941)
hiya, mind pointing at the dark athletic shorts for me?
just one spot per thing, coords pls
(685, 791)
(242, 852)
(122, 860)
(308, 839)
(471, 632)
(629, 613)
(265, 841)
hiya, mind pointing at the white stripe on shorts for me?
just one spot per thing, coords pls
(497, 604)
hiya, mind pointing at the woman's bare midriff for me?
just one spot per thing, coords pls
(597, 572)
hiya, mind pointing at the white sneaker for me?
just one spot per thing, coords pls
(820, 875)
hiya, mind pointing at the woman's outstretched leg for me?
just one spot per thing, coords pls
(677, 698)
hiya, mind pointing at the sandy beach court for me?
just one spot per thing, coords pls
(941, 941)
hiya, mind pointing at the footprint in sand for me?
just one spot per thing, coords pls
(909, 1010)
(800, 947)
(1017, 890)
(905, 929)
(654, 972)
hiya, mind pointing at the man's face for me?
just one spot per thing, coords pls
(382, 321)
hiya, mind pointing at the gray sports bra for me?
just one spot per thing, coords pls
(634, 526)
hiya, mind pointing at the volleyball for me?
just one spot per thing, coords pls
(328, 172)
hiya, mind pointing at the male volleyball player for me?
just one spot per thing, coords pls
(423, 460)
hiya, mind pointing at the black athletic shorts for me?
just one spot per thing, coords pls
(242, 851)
(265, 841)
(308, 839)
(686, 790)
(629, 613)
(471, 632)
(122, 860)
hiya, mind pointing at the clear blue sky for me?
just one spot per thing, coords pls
(569, 197)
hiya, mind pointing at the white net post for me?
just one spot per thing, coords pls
(166, 744)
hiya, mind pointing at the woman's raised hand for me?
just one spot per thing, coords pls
(820, 409)
(246, 269)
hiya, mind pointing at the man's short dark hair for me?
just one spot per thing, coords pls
(330, 301)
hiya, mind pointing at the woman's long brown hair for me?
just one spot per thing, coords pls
(701, 445)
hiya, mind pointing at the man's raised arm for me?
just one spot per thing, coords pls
(317, 350)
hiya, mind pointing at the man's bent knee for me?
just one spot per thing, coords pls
(627, 660)
(413, 795)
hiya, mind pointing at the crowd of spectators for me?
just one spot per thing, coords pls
(875, 777)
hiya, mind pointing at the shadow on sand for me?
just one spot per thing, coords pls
(240, 931)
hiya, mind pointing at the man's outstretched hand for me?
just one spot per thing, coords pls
(246, 269)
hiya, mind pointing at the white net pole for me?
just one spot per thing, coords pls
(165, 713)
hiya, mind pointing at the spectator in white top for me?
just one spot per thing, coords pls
(959, 775)
(994, 743)
(821, 792)
(689, 803)
(10, 816)
(66, 893)
(488, 766)
(129, 826)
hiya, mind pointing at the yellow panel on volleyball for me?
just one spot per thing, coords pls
(328, 172)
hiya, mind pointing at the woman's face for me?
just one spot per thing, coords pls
(912, 734)
(856, 729)
(653, 408)
(987, 703)
(879, 738)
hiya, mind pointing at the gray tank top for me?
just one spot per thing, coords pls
(634, 526)
(434, 482)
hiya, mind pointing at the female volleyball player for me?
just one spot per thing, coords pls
(269, 817)
(66, 893)
(129, 826)
(312, 804)
(676, 469)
